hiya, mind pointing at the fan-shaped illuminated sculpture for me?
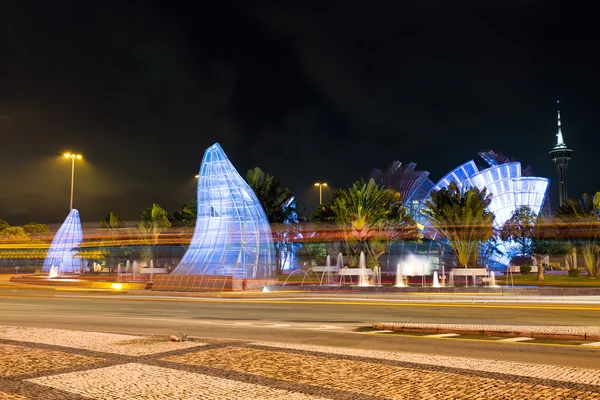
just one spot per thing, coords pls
(62, 251)
(510, 190)
(232, 235)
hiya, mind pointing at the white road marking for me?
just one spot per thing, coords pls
(516, 339)
(443, 335)
(594, 344)
(324, 327)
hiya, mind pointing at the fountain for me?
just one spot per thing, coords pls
(363, 280)
(127, 268)
(135, 268)
(340, 262)
(328, 261)
(399, 276)
(327, 275)
(436, 282)
(53, 272)
(377, 276)
(493, 280)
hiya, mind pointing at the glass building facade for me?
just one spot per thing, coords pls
(232, 236)
(63, 249)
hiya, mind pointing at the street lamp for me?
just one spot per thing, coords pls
(320, 185)
(72, 156)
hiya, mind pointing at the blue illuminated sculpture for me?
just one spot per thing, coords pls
(511, 186)
(62, 251)
(232, 235)
(510, 190)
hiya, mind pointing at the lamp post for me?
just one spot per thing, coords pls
(320, 185)
(72, 156)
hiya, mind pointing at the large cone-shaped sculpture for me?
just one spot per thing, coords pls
(62, 252)
(232, 235)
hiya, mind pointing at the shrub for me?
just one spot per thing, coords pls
(525, 269)
(573, 272)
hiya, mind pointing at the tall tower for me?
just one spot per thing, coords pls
(561, 155)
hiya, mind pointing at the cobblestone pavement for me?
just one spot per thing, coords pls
(59, 364)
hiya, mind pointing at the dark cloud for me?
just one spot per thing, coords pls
(325, 93)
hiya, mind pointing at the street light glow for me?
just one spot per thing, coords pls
(72, 156)
(320, 185)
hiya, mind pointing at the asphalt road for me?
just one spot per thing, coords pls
(314, 321)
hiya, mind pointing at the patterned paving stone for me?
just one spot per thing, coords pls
(369, 378)
(138, 381)
(8, 396)
(18, 360)
(129, 345)
(540, 371)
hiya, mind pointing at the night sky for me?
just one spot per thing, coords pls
(307, 93)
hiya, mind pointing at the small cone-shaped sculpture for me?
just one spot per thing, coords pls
(64, 246)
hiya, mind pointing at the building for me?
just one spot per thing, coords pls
(561, 155)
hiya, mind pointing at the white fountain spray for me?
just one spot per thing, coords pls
(363, 280)
(400, 276)
(436, 282)
(493, 280)
(340, 262)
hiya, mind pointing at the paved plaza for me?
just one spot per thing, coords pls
(52, 364)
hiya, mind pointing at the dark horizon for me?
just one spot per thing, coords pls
(325, 94)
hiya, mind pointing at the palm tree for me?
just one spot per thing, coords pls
(280, 206)
(187, 215)
(463, 218)
(579, 219)
(112, 221)
(278, 203)
(154, 220)
(371, 219)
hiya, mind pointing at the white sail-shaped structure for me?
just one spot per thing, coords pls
(63, 250)
(232, 235)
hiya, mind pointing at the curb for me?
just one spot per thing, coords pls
(490, 331)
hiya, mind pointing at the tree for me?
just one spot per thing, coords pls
(278, 203)
(519, 228)
(14, 233)
(371, 218)
(579, 221)
(463, 218)
(3, 225)
(542, 245)
(280, 206)
(112, 221)
(187, 215)
(154, 220)
(33, 228)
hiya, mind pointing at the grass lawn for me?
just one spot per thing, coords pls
(550, 280)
